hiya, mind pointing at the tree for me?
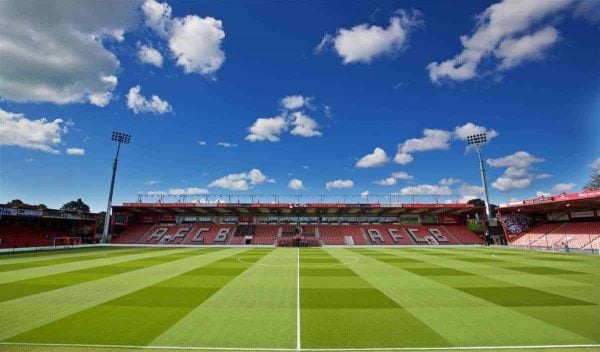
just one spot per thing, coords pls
(594, 182)
(15, 203)
(100, 222)
(481, 203)
(477, 202)
(76, 205)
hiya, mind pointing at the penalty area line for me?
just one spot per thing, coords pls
(194, 348)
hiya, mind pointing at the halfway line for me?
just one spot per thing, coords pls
(298, 344)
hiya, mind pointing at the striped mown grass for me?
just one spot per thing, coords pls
(253, 298)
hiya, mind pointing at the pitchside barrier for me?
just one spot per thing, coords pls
(594, 250)
(50, 248)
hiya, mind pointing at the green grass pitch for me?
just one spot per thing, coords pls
(162, 299)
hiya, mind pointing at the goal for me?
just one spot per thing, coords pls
(66, 241)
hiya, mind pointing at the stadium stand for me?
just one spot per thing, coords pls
(462, 234)
(265, 234)
(133, 234)
(561, 222)
(39, 228)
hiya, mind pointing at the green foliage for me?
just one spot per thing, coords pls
(594, 182)
(76, 205)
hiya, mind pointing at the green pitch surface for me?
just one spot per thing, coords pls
(286, 299)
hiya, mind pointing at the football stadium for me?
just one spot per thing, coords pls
(321, 276)
(299, 175)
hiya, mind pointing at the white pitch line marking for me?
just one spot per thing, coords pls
(193, 348)
(298, 344)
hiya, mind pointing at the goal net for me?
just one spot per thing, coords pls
(66, 241)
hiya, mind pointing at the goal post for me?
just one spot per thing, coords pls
(66, 241)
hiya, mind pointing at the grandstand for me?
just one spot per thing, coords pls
(286, 224)
(560, 222)
(44, 228)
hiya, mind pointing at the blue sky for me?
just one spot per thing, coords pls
(363, 81)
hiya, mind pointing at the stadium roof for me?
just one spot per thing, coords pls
(306, 209)
(587, 200)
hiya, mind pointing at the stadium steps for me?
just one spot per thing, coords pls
(537, 230)
(146, 233)
(544, 238)
(462, 234)
(449, 233)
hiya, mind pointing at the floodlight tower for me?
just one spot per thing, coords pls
(477, 140)
(120, 138)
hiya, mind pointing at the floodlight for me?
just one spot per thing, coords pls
(120, 138)
(478, 140)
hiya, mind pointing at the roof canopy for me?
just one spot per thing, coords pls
(307, 209)
(588, 200)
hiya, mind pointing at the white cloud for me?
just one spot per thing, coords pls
(327, 110)
(296, 184)
(433, 190)
(466, 192)
(267, 129)
(304, 125)
(543, 176)
(433, 139)
(403, 158)
(157, 16)
(450, 181)
(54, 51)
(338, 184)
(364, 194)
(542, 194)
(227, 145)
(595, 164)
(42, 135)
(562, 187)
(519, 159)
(469, 129)
(375, 159)
(502, 31)
(470, 190)
(305, 167)
(402, 175)
(364, 42)
(514, 52)
(324, 43)
(195, 42)
(517, 174)
(75, 151)
(140, 104)
(271, 128)
(202, 143)
(190, 191)
(394, 177)
(152, 182)
(294, 102)
(389, 181)
(242, 181)
(29, 160)
(588, 10)
(148, 55)
(505, 184)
